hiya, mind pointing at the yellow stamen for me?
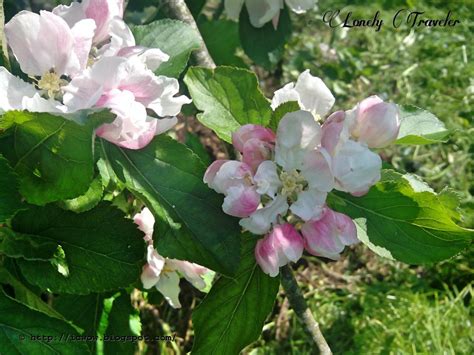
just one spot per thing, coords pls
(292, 182)
(51, 83)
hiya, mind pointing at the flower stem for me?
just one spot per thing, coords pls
(179, 10)
(302, 311)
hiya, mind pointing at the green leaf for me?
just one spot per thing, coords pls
(403, 219)
(102, 250)
(222, 41)
(27, 331)
(84, 311)
(89, 200)
(175, 38)
(265, 45)
(229, 97)
(190, 224)
(233, 313)
(10, 199)
(54, 156)
(24, 295)
(194, 143)
(120, 321)
(282, 110)
(15, 245)
(418, 126)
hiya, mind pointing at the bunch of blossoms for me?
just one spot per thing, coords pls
(279, 187)
(84, 56)
(263, 11)
(164, 273)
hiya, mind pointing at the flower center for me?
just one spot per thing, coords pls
(293, 182)
(51, 83)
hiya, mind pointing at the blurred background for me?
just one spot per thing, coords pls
(365, 304)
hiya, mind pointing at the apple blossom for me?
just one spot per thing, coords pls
(128, 88)
(164, 273)
(46, 47)
(263, 11)
(281, 185)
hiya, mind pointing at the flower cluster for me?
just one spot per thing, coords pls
(280, 186)
(263, 11)
(164, 273)
(84, 56)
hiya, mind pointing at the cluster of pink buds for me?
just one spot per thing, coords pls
(280, 186)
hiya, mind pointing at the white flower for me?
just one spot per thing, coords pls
(164, 273)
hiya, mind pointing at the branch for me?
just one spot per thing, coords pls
(179, 10)
(299, 305)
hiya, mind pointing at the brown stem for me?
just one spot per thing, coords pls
(179, 10)
(302, 311)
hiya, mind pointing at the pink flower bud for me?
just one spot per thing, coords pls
(329, 235)
(256, 151)
(241, 201)
(282, 245)
(376, 122)
(223, 174)
(249, 131)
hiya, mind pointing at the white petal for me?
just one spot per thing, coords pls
(71, 14)
(300, 6)
(121, 37)
(262, 219)
(41, 42)
(151, 57)
(233, 8)
(166, 104)
(12, 91)
(317, 170)
(83, 33)
(266, 178)
(314, 94)
(262, 11)
(297, 133)
(285, 94)
(356, 168)
(168, 285)
(191, 272)
(309, 204)
(39, 104)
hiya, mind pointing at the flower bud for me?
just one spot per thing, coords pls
(282, 245)
(241, 201)
(376, 122)
(249, 131)
(223, 174)
(329, 235)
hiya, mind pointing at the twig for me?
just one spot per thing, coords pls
(179, 10)
(302, 311)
